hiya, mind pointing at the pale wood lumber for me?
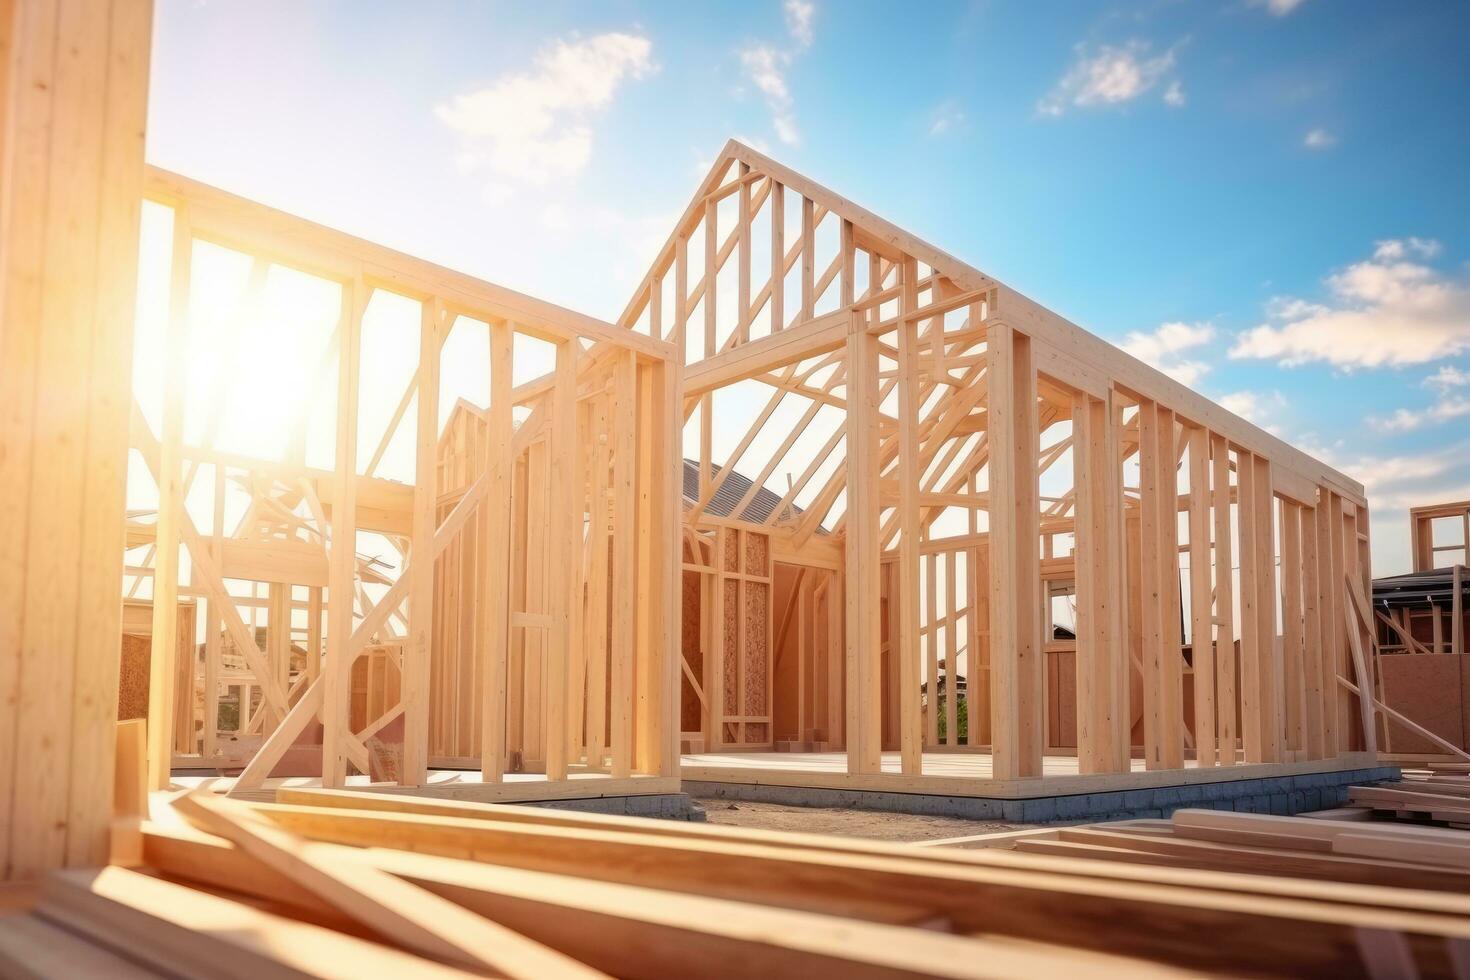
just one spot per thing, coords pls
(182, 931)
(394, 908)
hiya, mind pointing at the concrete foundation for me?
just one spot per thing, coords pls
(1280, 795)
(664, 806)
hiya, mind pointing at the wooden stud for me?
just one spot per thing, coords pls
(1017, 675)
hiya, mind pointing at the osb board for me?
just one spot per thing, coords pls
(785, 679)
(132, 687)
(757, 554)
(757, 646)
(1061, 699)
(689, 707)
(732, 645)
(1430, 689)
(132, 677)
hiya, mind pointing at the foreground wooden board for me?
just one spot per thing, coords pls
(628, 930)
(397, 909)
(1083, 903)
(186, 932)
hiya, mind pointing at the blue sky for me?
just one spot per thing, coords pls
(1267, 199)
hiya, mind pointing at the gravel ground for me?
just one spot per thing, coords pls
(869, 824)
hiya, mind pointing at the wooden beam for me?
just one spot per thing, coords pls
(907, 581)
(1017, 671)
(863, 727)
(342, 558)
(416, 655)
(1102, 662)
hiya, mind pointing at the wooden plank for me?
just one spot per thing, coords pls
(1267, 677)
(247, 226)
(433, 324)
(409, 916)
(1055, 900)
(1328, 599)
(495, 600)
(1017, 662)
(911, 744)
(1102, 666)
(628, 930)
(342, 558)
(566, 538)
(181, 931)
(1293, 638)
(624, 564)
(1312, 641)
(862, 623)
(1201, 640)
(163, 657)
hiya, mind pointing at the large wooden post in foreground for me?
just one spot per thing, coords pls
(1016, 672)
(73, 101)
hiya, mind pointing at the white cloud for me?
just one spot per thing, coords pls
(945, 118)
(534, 126)
(766, 64)
(1278, 8)
(1388, 310)
(799, 17)
(1174, 95)
(1407, 420)
(1447, 377)
(1111, 76)
(1163, 349)
(1447, 407)
(1255, 406)
(1404, 480)
(1319, 139)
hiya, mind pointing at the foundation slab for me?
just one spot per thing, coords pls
(1277, 794)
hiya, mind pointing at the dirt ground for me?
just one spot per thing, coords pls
(847, 823)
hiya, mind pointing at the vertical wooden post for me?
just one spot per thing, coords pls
(1311, 587)
(778, 261)
(1250, 633)
(1293, 629)
(163, 656)
(624, 561)
(952, 652)
(808, 260)
(1158, 566)
(906, 582)
(864, 729)
(1269, 677)
(565, 532)
(711, 310)
(213, 623)
(495, 571)
(72, 112)
(1017, 675)
(342, 559)
(1226, 711)
(929, 587)
(1202, 647)
(416, 653)
(1335, 705)
(1260, 731)
(666, 497)
(1102, 665)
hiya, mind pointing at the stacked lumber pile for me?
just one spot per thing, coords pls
(1438, 796)
(1381, 874)
(334, 883)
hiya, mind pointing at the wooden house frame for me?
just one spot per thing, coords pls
(953, 393)
(949, 393)
(581, 464)
(1422, 620)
